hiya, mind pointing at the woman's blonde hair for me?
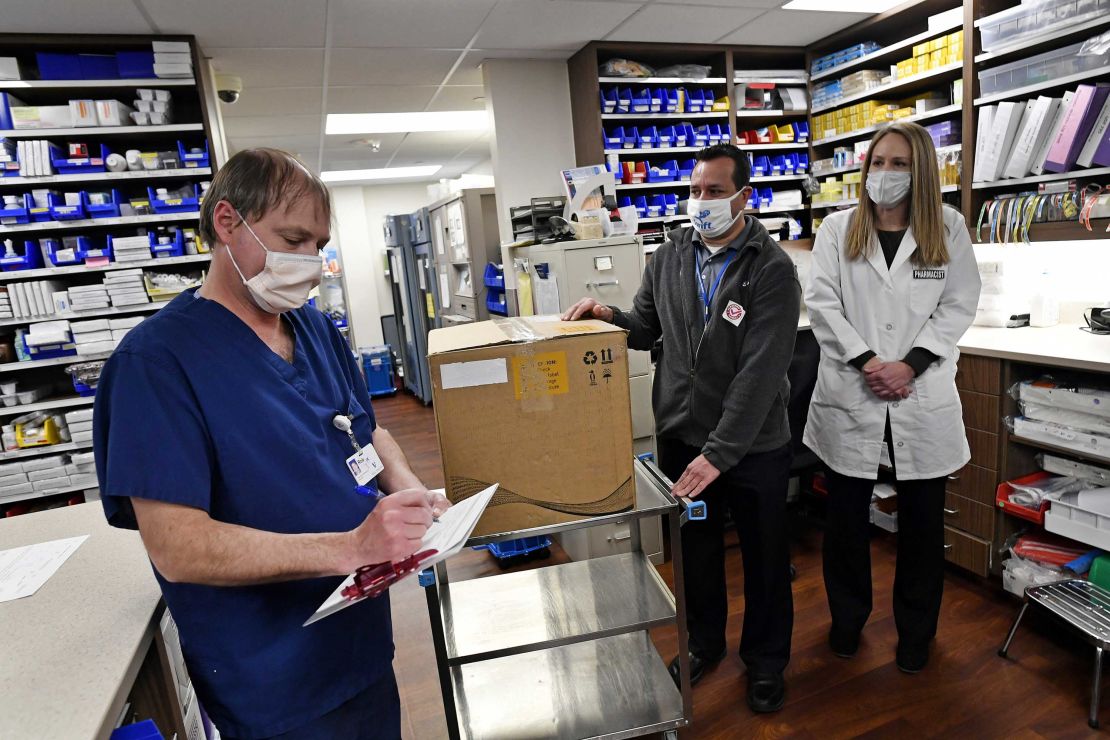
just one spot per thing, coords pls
(926, 216)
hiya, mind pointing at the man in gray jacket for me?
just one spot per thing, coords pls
(725, 299)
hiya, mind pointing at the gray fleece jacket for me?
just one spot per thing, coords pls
(719, 386)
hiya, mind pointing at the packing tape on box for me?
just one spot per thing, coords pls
(460, 489)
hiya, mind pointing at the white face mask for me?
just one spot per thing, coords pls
(888, 188)
(285, 281)
(711, 218)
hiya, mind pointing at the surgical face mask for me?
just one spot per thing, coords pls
(888, 188)
(285, 280)
(711, 218)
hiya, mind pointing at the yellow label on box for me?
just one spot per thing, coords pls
(541, 375)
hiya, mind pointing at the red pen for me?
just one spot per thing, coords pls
(373, 580)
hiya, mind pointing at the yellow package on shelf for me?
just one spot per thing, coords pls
(920, 49)
(721, 105)
(902, 113)
(783, 133)
(854, 178)
(31, 435)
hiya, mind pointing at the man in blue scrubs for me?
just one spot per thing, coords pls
(216, 435)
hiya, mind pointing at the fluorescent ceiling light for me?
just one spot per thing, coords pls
(384, 173)
(843, 6)
(391, 123)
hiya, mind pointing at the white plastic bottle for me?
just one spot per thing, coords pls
(1045, 309)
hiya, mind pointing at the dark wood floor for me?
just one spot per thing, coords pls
(967, 691)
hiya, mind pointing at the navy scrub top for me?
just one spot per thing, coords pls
(194, 409)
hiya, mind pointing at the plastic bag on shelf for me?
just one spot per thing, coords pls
(1096, 45)
(1030, 495)
(625, 68)
(687, 71)
(1091, 474)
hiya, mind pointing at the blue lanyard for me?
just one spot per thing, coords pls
(707, 298)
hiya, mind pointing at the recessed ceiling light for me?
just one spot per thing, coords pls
(390, 123)
(843, 6)
(383, 173)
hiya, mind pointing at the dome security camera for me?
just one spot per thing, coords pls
(228, 88)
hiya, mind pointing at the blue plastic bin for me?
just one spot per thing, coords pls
(54, 66)
(496, 304)
(516, 548)
(104, 210)
(624, 100)
(175, 248)
(646, 138)
(190, 158)
(145, 730)
(377, 365)
(54, 251)
(30, 259)
(494, 277)
(98, 66)
(173, 204)
(88, 249)
(61, 211)
(609, 100)
(21, 213)
(81, 165)
(135, 64)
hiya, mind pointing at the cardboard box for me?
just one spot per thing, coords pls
(540, 407)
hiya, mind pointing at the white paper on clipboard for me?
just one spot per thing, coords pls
(447, 537)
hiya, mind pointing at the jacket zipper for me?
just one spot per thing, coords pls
(701, 341)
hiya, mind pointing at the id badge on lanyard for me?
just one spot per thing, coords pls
(707, 298)
(364, 465)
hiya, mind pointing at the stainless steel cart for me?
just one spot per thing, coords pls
(563, 651)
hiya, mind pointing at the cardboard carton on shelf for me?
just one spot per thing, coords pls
(542, 408)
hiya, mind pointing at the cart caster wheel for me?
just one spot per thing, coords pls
(670, 735)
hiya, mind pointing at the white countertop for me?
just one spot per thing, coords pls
(71, 652)
(1063, 345)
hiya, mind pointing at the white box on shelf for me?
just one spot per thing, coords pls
(19, 490)
(113, 113)
(52, 484)
(9, 69)
(47, 474)
(42, 463)
(83, 113)
(172, 47)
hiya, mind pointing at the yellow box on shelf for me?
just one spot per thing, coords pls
(782, 134)
(721, 105)
(902, 113)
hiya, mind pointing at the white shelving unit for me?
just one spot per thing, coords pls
(855, 201)
(1055, 34)
(661, 219)
(890, 87)
(1018, 92)
(672, 183)
(660, 150)
(772, 147)
(189, 103)
(633, 81)
(885, 52)
(106, 176)
(661, 116)
(771, 113)
(1050, 177)
(838, 170)
(863, 132)
(85, 223)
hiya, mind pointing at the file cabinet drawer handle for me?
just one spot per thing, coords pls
(949, 546)
(602, 283)
(951, 512)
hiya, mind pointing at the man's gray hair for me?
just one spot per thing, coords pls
(254, 182)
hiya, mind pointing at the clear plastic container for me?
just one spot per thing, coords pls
(1051, 65)
(1027, 20)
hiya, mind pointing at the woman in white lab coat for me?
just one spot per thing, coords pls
(893, 287)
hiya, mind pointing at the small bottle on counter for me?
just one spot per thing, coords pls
(1045, 308)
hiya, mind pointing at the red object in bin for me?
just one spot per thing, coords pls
(1022, 512)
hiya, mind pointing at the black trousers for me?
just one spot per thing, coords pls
(919, 570)
(755, 493)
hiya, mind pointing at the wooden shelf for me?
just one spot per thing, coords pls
(1096, 172)
(39, 133)
(85, 223)
(1035, 44)
(112, 176)
(863, 132)
(1089, 456)
(897, 85)
(1046, 85)
(885, 52)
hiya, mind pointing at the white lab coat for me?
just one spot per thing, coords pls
(860, 305)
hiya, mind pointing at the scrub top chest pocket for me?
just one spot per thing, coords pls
(926, 286)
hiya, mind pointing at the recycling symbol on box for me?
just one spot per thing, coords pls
(590, 358)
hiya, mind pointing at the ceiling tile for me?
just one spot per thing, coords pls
(430, 24)
(379, 98)
(761, 4)
(792, 27)
(439, 146)
(271, 67)
(66, 16)
(460, 98)
(349, 145)
(287, 101)
(242, 23)
(352, 162)
(390, 66)
(274, 125)
(288, 143)
(550, 24)
(682, 24)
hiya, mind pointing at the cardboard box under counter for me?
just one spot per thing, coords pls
(540, 407)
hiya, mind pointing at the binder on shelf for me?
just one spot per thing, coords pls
(1034, 130)
(1078, 122)
(1041, 154)
(1099, 137)
(982, 138)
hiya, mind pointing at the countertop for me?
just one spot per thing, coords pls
(71, 652)
(1063, 345)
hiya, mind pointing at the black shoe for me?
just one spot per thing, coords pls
(843, 645)
(911, 661)
(766, 692)
(698, 667)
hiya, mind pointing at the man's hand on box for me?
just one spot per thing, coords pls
(697, 476)
(588, 308)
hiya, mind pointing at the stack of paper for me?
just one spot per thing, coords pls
(35, 299)
(126, 288)
(92, 337)
(172, 59)
(88, 297)
(131, 248)
(121, 326)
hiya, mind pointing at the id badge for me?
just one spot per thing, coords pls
(365, 465)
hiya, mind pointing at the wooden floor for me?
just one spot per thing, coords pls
(967, 691)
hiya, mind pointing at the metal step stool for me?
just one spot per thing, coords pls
(1084, 606)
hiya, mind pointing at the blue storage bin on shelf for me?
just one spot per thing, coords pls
(655, 206)
(145, 730)
(54, 66)
(670, 100)
(194, 156)
(701, 137)
(98, 66)
(716, 135)
(496, 304)
(803, 163)
(59, 256)
(624, 100)
(686, 169)
(683, 134)
(20, 212)
(614, 139)
(175, 248)
(766, 197)
(761, 166)
(89, 250)
(695, 101)
(377, 365)
(135, 64)
(62, 211)
(666, 137)
(665, 172)
(518, 548)
(40, 214)
(82, 165)
(656, 100)
(670, 204)
(174, 204)
(640, 201)
(647, 138)
(778, 164)
(609, 100)
(494, 277)
(631, 137)
(29, 259)
(641, 102)
(104, 210)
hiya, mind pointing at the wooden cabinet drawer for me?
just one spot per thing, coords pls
(984, 448)
(967, 552)
(975, 483)
(970, 516)
(979, 374)
(980, 411)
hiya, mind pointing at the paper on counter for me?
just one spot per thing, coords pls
(447, 537)
(23, 570)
